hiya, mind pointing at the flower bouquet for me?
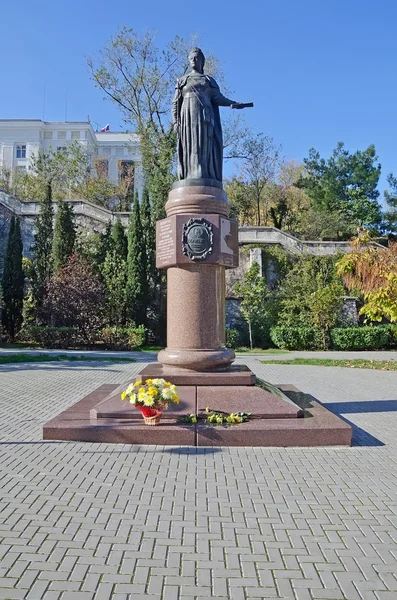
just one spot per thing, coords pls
(152, 398)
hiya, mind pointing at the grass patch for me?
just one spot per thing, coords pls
(35, 358)
(246, 350)
(380, 365)
(149, 349)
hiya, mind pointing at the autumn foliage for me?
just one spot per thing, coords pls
(372, 270)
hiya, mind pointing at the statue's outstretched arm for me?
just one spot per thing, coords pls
(219, 99)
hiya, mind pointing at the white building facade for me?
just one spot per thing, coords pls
(21, 138)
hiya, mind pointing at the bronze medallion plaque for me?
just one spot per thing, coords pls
(197, 239)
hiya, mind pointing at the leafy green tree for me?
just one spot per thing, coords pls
(390, 215)
(302, 287)
(64, 234)
(241, 202)
(13, 280)
(63, 170)
(137, 277)
(253, 292)
(326, 303)
(345, 183)
(42, 262)
(76, 298)
(98, 190)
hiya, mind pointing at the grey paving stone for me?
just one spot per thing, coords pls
(231, 523)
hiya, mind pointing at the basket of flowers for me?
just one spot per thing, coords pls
(152, 398)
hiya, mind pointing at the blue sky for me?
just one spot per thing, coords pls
(318, 71)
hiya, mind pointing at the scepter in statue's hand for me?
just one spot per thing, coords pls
(242, 105)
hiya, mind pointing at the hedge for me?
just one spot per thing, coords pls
(123, 338)
(49, 337)
(295, 338)
(363, 338)
(114, 338)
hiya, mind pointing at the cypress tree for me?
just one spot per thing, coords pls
(119, 240)
(42, 262)
(64, 235)
(13, 280)
(105, 244)
(137, 283)
(149, 234)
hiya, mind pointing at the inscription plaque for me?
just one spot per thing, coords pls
(165, 243)
(197, 239)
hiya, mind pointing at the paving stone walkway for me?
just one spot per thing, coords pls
(80, 521)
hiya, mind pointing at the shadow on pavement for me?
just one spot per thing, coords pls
(193, 450)
(60, 366)
(360, 436)
(369, 406)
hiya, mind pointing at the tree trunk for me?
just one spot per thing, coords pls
(250, 334)
(258, 202)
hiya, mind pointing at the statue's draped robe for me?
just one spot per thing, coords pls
(200, 143)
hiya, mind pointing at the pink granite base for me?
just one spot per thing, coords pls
(112, 407)
(320, 427)
(233, 375)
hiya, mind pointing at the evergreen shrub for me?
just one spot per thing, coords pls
(49, 337)
(296, 338)
(232, 338)
(123, 338)
(362, 338)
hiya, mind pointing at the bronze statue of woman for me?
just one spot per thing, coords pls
(196, 120)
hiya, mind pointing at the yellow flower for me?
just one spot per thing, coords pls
(207, 410)
(123, 395)
(167, 384)
(148, 381)
(138, 383)
(152, 391)
(219, 420)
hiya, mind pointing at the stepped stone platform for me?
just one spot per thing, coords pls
(282, 416)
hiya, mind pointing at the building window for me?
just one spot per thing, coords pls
(126, 175)
(61, 135)
(21, 151)
(21, 169)
(75, 135)
(48, 135)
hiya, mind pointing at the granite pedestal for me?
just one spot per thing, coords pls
(276, 419)
(196, 243)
